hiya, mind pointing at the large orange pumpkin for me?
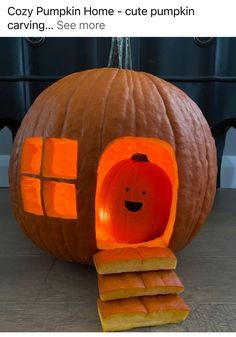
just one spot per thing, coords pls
(83, 125)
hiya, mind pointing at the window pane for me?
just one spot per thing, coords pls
(59, 199)
(31, 155)
(30, 192)
(60, 158)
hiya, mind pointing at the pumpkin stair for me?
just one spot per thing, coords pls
(142, 258)
(137, 312)
(138, 287)
(118, 286)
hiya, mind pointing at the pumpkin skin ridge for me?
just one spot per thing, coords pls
(163, 94)
(105, 105)
(202, 187)
(135, 110)
(205, 199)
(136, 76)
(200, 190)
(209, 177)
(141, 81)
(123, 76)
(172, 141)
(192, 210)
(197, 190)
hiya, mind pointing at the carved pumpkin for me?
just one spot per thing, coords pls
(85, 124)
(135, 200)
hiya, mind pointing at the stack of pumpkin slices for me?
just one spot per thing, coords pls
(138, 287)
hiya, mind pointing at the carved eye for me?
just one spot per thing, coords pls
(144, 192)
(127, 189)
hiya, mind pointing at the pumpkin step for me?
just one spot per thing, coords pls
(125, 285)
(130, 259)
(125, 314)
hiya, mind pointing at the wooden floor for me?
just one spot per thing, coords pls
(40, 293)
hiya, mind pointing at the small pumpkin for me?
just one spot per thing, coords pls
(88, 121)
(135, 200)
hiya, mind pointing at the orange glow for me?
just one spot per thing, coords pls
(159, 153)
(60, 158)
(104, 216)
(30, 192)
(31, 155)
(59, 200)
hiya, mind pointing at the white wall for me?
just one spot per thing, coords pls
(5, 150)
(228, 168)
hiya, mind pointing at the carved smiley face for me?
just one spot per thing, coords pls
(133, 206)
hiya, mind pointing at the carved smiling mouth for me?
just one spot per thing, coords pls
(133, 206)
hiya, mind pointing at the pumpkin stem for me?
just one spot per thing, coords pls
(140, 157)
(120, 53)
